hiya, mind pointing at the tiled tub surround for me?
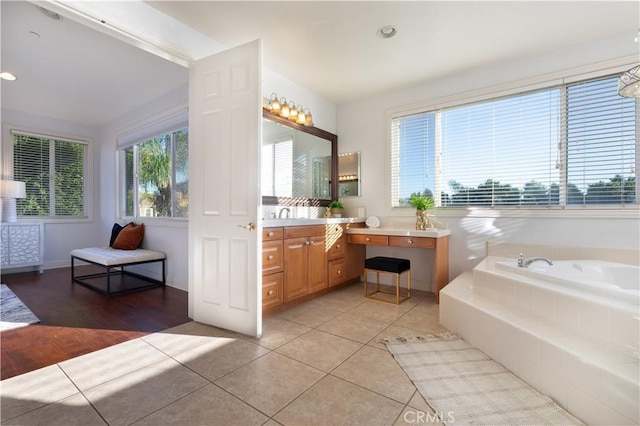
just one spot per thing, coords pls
(581, 349)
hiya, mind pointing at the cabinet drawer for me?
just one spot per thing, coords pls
(272, 259)
(272, 287)
(418, 242)
(303, 231)
(378, 240)
(337, 249)
(337, 272)
(270, 234)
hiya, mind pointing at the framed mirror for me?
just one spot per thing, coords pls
(299, 163)
(349, 174)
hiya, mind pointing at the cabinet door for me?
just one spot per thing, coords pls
(317, 264)
(295, 268)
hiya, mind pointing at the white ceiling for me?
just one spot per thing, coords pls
(328, 47)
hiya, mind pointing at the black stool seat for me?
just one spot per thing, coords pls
(388, 264)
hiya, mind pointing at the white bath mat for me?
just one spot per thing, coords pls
(13, 313)
(464, 386)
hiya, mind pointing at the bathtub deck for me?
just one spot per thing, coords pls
(534, 334)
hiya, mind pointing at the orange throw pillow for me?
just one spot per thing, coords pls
(130, 237)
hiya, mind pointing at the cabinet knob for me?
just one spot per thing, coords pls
(410, 241)
(270, 257)
(367, 239)
(339, 272)
(270, 234)
(338, 246)
(308, 243)
(270, 293)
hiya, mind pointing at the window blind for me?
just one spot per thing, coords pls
(601, 142)
(573, 144)
(501, 152)
(53, 170)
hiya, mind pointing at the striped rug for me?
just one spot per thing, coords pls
(464, 386)
(13, 313)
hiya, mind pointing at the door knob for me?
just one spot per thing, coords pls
(250, 226)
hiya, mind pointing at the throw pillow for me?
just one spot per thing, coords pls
(130, 237)
(114, 233)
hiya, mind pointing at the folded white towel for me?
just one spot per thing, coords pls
(373, 222)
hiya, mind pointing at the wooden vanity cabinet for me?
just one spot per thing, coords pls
(345, 262)
(305, 260)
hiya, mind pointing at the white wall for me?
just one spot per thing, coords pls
(362, 127)
(60, 237)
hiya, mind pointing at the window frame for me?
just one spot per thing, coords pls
(166, 122)
(502, 91)
(7, 164)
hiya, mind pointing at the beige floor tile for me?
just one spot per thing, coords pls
(276, 332)
(183, 337)
(417, 401)
(422, 318)
(136, 395)
(320, 350)
(309, 314)
(270, 382)
(29, 391)
(340, 300)
(333, 401)
(222, 356)
(207, 406)
(376, 370)
(89, 370)
(71, 411)
(381, 311)
(354, 327)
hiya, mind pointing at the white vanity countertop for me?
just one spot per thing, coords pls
(272, 223)
(432, 233)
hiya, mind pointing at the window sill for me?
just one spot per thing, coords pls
(159, 221)
(630, 212)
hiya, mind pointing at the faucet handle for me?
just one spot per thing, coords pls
(521, 259)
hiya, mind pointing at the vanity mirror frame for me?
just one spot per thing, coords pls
(268, 200)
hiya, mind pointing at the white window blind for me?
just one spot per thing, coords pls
(53, 170)
(413, 147)
(277, 168)
(501, 152)
(601, 144)
(573, 144)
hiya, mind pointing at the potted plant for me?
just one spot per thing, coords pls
(336, 208)
(422, 204)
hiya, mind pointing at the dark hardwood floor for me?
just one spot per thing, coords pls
(75, 320)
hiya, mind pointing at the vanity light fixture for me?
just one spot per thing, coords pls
(288, 110)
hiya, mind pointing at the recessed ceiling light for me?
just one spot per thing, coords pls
(387, 31)
(7, 76)
(49, 13)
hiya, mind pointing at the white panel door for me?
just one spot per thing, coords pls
(225, 130)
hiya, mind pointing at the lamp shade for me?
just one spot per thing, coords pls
(12, 189)
(629, 83)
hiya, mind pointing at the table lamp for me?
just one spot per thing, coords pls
(9, 191)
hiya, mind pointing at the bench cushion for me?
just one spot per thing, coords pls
(388, 264)
(110, 257)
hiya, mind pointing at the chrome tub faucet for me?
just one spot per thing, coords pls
(524, 263)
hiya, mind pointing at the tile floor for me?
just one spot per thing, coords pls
(317, 363)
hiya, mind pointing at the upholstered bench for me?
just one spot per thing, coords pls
(115, 278)
(387, 265)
